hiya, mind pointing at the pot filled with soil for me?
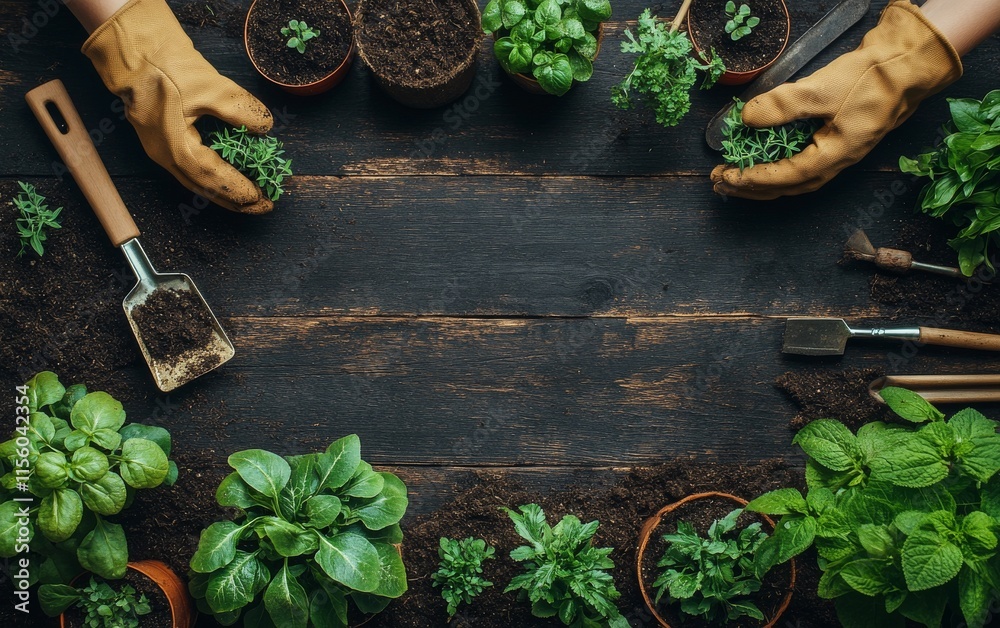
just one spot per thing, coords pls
(421, 52)
(305, 48)
(748, 35)
(684, 547)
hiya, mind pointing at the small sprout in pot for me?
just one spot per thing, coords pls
(460, 572)
(35, 218)
(740, 23)
(298, 33)
(101, 605)
(260, 157)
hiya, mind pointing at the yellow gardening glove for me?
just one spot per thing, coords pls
(860, 97)
(144, 56)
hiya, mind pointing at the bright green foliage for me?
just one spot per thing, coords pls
(712, 578)
(740, 23)
(298, 33)
(35, 218)
(314, 531)
(665, 70)
(85, 464)
(904, 518)
(460, 573)
(553, 40)
(102, 606)
(964, 173)
(565, 576)
(257, 156)
(745, 146)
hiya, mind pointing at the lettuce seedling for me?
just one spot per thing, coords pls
(745, 146)
(299, 34)
(102, 606)
(460, 573)
(313, 532)
(740, 22)
(565, 576)
(260, 157)
(904, 518)
(83, 464)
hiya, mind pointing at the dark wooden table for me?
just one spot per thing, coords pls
(547, 286)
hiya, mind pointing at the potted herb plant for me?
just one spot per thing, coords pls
(422, 53)
(314, 531)
(710, 578)
(305, 48)
(545, 46)
(748, 35)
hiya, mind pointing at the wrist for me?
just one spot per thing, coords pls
(965, 23)
(92, 13)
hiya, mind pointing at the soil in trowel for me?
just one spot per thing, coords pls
(173, 322)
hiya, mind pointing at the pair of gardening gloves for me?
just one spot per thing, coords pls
(859, 97)
(144, 56)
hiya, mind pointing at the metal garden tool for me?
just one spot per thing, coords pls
(819, 36)
(943, 388)
(829, 336)
(859, 247)
(52, 106)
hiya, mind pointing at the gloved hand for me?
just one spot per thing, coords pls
(144, 56)
(860, 97)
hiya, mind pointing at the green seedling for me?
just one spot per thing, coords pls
(35, 218)
(260, 157)
(740, 23)
(460, 572)
(298, 34)
(102, 605)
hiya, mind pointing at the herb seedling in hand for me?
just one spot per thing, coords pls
(745, 146)
(260, 157)
(102, 606)
(460, 572)
(665, 70)
(298, 34)
(740, 23)
(35, 218)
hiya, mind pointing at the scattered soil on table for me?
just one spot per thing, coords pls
(229, 16)
(323, 54)
(708, 30)
(172, 323)
(159, 615)
(418, 43)
(621, 509)
(841, 395)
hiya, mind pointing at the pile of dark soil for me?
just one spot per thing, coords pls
(323, 54)
(708, 23)
(229, 16)
(159, 606)
(173, 322)
(841, 395)
(417, 43)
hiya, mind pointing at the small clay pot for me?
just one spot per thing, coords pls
(739, 78)
(324, 84)
(529, 84)
(445, 90)
(182, 611)
(653, 522)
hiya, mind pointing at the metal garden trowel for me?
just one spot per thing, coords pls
(829, 336)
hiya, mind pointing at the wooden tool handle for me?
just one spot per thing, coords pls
(962, 339)
(52, 106)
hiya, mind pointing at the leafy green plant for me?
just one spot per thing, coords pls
(553, 40)
(298, 34)
(904, 518)
(964, 173)
(740, 23)
(565, 576)
(84, 464)
(314, 531)
(260, 157)
(745, 146)
(460, 573)
(35, 218)
(665, 70)
(102, 605)
(712, 577)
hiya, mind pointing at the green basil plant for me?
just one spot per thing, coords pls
(314, 531)
(78, 462)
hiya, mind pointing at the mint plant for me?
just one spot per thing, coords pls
(35, 218)
(85, 464)
(904, 518)
(664, 72)
(298, 34)
(102, 606)
(552, 40)
(712, 578)
(565, 576)
(740, 23)
(963, 178)
(460, 573)
(745, 146)
(260, 157)
(314, 531)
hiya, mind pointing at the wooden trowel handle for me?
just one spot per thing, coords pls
(962, 339)
(52, 106)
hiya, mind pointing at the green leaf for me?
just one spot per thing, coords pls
(783, 501)
(106, 438)
(143, 463)
(44, 389)
(555, 77)
(365, 483)
(41, 427)
(156, 434)
(519, 59)
(235, 585)
(502, 48)
(975, 593)
(97, 410)
(264, 471)
(876, 540)
(917, 464)
(831, 585)
(512, 13)
(583, 69)
(216, 547)
(793, 535)
(829, 443)
(286, 601)
(594, 10)
(925, 609)
(340, 461)
(106, 495)
(234, 492)
(52, 469)
(104, 550)
(982, 461)
(492, 17)
(11, 523)
(909, 405)
(289, 539)
(322, 510)
(548, 13)
(60, 513)
(387, 507)
(977, 526)
(88, 464)
(56, 598)
(350, 560)
(929, 560)
(392, 572)
(866, 576)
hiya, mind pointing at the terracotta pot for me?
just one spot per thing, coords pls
(316, 87)
(445, 90)
(182, 610)
(739, 78)
(653, 522)
(528, 82)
